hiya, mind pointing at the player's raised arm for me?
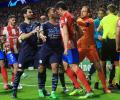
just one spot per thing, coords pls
(41, 33)
(42, 36)
(24, 35)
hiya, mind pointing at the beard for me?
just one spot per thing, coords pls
(30, 18)
(13, 24)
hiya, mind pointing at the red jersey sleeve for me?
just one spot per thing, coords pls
(63, 21)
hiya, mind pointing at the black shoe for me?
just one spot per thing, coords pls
(46, 93)
(96, 85)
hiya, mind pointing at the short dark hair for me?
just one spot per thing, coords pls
(24, 10)
(11, 16)
(111, 8)
(61, 4)
(103, 10)
(48, 9)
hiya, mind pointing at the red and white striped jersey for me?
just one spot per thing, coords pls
(11, 34)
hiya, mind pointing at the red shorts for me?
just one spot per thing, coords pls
(90, 52)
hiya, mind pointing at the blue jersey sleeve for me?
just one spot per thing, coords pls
(22, 28)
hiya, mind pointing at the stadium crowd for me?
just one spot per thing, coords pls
(39, 8)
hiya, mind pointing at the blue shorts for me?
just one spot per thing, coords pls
(2, 56)
(72, 57)
(48, 56)
(11, 58)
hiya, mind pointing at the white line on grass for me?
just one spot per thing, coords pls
(27, 85)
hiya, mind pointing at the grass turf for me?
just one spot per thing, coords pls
(30, 91)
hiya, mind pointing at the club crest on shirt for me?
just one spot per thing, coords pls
(40, 61)
(20, 65)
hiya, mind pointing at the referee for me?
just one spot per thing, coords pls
(108, 25)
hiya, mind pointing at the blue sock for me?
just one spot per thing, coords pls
(17, 80)
(41, 80)
(54, 81)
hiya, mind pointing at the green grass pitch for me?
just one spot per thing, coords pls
(30, 90)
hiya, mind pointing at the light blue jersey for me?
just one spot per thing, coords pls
(96, 34)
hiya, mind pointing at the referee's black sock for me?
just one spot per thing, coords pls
(112, 74)
(92, 70)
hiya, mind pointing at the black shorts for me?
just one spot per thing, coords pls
(108, 51)
(48, 55)
(26, 58)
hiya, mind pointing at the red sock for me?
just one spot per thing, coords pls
(13, 76)
(4, 75)
(102, 78)
(70, 74)
(83, 79)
